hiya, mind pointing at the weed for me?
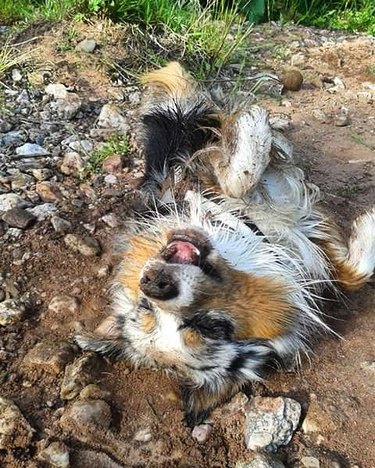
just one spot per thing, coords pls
(67, 42)
(10, 57)
(348, 191)
(116, 145)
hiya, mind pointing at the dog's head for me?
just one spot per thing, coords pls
(179, 270)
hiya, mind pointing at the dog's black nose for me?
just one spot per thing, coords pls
(158, 283)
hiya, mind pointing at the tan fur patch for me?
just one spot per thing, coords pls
(141, 251)
(148, 322)
(192, 339)
(172, 79)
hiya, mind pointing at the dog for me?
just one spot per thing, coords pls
(227, 272)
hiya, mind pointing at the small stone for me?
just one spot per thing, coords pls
(56, 455)
(87, 412)
(201, 432)
(77, 376)
(88, 246)
(31, 149)
(261, 461)
(72, 164)
(60, 225)
(341, 118)
(42, 174)
(19, 180)
(103, 271)
(113, 164)
(15, 431)
(87, 45)
(14, 138)
(95, 459)
(143, 435)
(271, 422)
(52, 356)
(292, 80)
(110, 179)
(310, 462)
(93, 392)
(320, 116)
(5, 126)
(19, 218)
(11, 312)
(368, 366)
(317, 419)
(68, 106)
(84, 146)
(23, 97)
(16, 75)
(110, 117)
(297, 60)
(110, 220)
(9, 201)
(43, 212)
(48, 192)
(365, 97)
(63, 303)
(57, 90)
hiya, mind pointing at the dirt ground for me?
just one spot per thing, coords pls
(337, 376)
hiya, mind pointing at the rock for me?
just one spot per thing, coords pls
(72, 164)
(63, 303)
(16, 75)
(42, 212)
(280, 122)
(87, 45)
(110, 179)
(110, 117)
(14, 138)
(88, 246)
(201, 432)
(341, 118)
(87, 412)
(103, 271)
(42, 174)
(15, 431)
(48, 192)
(320, 116)
(143, 435)
(57, 90)
(292, 80)
(93, 392)
(85, 458)
(52, 356)
(56, 455)
(317, 418)
(365, 97)
(85, 146)
(310, 462)
(297, 60)
(236, 405)
(60, 225)
(261, 461)
(23, 97)
(19, 218)
(11, 312)
(113, 164)
(19, 180)
(368, 366)
(5, 126)
(77, 376)
(68, 106)
(9, 201)
(110, 220)
(31, 149)
(271, 422)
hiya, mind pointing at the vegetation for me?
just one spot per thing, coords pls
(115, 145)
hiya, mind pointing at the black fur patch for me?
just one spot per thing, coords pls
(210, 325)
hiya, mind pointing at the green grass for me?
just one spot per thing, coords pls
(116, 145)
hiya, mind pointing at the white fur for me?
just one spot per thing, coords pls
(361, 251)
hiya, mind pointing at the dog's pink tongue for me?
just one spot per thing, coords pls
(184, 252)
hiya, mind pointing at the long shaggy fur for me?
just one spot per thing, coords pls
(257, 252)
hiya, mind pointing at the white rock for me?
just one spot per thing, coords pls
(31, 149)
(89, 246)
(44, 211)
(271, 422)
(87, 45)
(310, 462)
(87, 412)
(68, 106)
(143, 435)
(72, 164)
(11, 312)
(261, 461)
(110, 117)
(201, 432)
(56, 455)
(84, 146)
(110, 179)
(63, 303)
(16, 75)
(110, 220)
(57, 90)
(9, 201)
(15, 431)
(60, 225)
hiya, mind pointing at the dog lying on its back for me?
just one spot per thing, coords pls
(227, 274)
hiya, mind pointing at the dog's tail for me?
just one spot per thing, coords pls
(354, 261)
(177, 119)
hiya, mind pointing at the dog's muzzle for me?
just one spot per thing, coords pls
(158, 282)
